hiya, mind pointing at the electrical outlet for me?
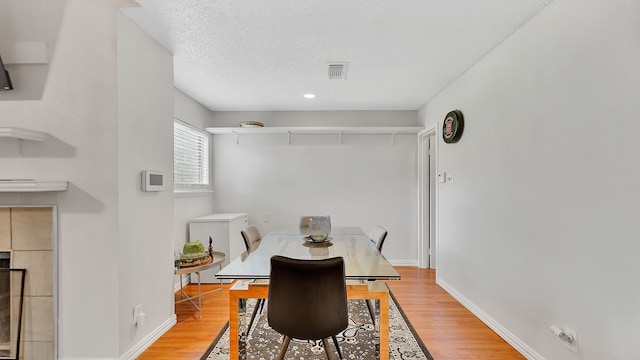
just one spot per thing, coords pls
(573, 346)
(138, 315)
(568, 336)
(449, 177)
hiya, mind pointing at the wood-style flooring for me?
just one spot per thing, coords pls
(449, 330)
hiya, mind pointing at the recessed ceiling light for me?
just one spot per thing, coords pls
(309, 96)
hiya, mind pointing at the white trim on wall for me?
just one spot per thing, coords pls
(186, 280)
(423, 197)
(148, 340)
(403, 262)
(502, 331)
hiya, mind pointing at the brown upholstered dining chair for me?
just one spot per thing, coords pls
(377, 235)
(307, 300)
(251, 236)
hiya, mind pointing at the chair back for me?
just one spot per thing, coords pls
(307, 298)
(378, 234)
(251, 236)
(304, 222)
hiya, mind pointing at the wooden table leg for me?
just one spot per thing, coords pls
(241, 290)
(233, 325)
(375, 291)
(384, 326)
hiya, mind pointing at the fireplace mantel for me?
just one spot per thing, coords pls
(33, 186)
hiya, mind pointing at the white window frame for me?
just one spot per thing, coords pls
(202, 164)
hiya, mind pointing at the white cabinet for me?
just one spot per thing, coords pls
(224, 230)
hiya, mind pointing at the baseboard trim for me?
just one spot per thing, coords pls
(143, 344)
(404, 262)
(502, 331)
(186, 280)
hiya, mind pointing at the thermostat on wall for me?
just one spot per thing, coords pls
(152, 180)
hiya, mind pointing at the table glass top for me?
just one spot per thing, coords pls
(362, 259)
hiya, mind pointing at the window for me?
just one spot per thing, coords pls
(190, 158)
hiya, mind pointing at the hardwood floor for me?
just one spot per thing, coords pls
(449, 331)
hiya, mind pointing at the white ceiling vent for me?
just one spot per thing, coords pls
(337, 70)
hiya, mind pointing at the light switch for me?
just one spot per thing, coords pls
(450, 177)
(442, 177)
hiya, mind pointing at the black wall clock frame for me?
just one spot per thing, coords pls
(452, 126)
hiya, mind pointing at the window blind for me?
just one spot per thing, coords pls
(190, 158)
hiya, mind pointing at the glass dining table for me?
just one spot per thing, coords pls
(366, 269)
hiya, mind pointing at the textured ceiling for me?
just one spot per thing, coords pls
(248, 55)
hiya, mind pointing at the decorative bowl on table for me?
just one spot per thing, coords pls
(319, 228)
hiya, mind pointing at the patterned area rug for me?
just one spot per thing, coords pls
(358, 341)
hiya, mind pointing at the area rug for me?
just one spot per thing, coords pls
(358, 341)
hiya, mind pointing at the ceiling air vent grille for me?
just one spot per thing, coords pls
(337, 71)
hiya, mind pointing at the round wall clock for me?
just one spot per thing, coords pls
(452, 126)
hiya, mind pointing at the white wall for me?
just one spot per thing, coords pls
(190, 205)
(78, 110)
(364, 182)
(145, 142)
(540, 226)
(109, 113)
(28, 80)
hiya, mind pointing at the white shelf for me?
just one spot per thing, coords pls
(22, 134)
(28, 185)
(33, 186)
(290, 130)
(363, 130)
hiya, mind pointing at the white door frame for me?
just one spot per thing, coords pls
(423, 198)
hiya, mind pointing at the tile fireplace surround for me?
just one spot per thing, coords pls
(28, 233)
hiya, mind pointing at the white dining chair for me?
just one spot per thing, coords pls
(377, 235)
(251, 236)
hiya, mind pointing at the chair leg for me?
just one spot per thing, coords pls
(325, 343)
(335, 342)
(256, 310)
(285, 345)
(371, 312)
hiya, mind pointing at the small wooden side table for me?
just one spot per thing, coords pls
(218, 259)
